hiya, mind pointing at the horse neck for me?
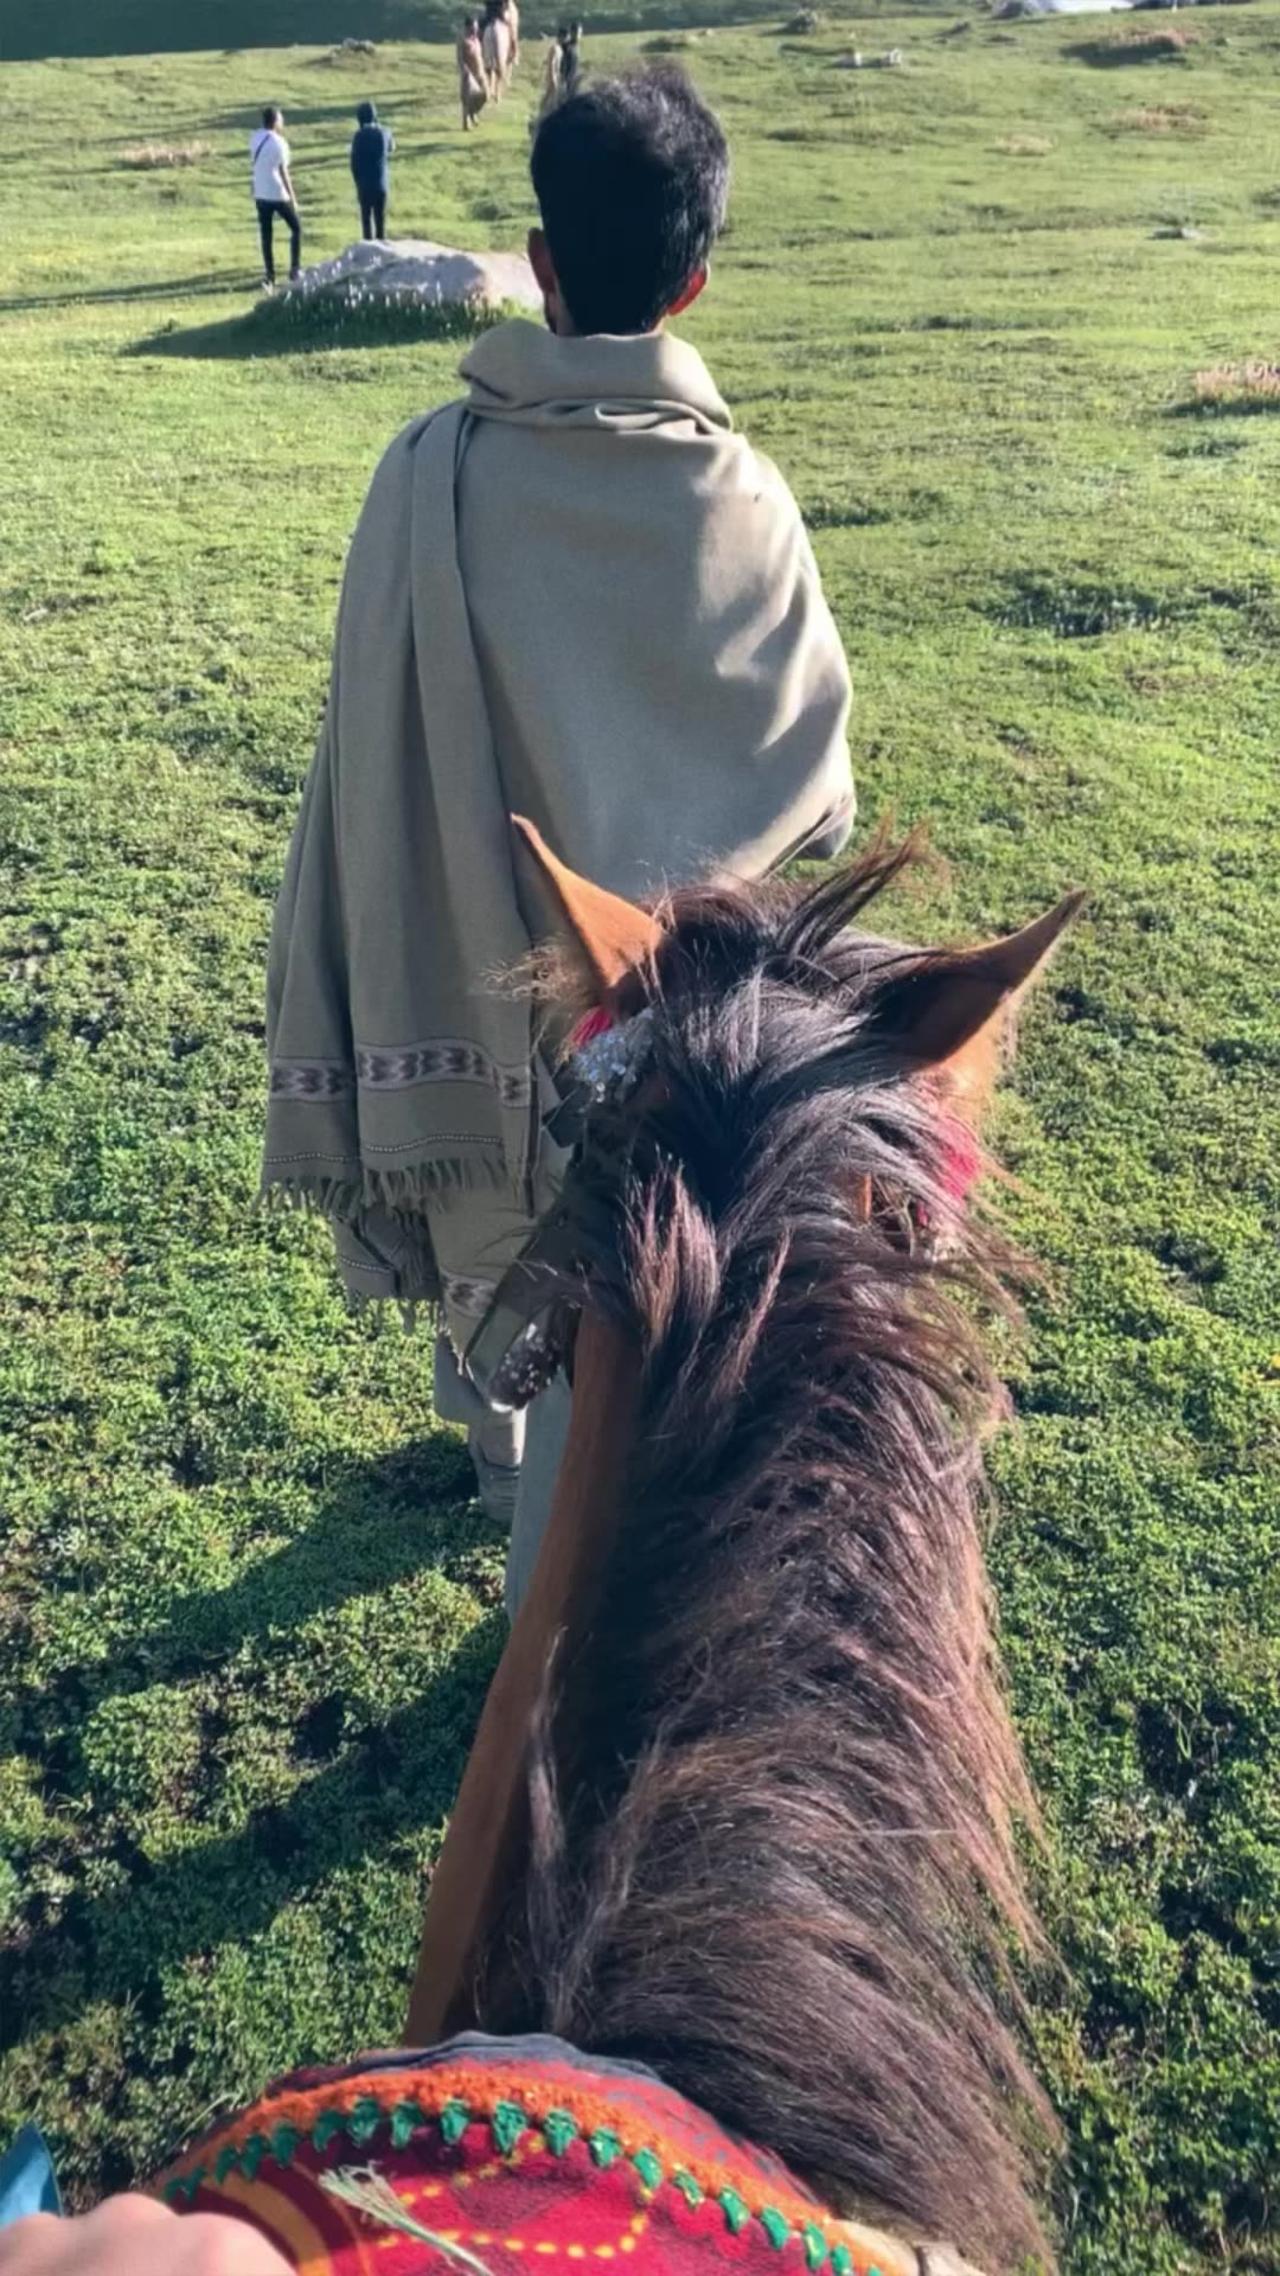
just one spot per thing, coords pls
(768, 1845)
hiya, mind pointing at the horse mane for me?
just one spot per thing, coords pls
(774, 1785)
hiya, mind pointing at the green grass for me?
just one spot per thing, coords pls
(249, 1609)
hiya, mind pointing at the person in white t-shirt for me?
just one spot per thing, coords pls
(273, 192)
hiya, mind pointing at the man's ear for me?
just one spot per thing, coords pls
(950, 1012)
(696, 286)
(544, 270)
(611, 936)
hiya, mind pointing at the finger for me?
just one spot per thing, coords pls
(24, 2246)
(215, 2244)
(43, 2245)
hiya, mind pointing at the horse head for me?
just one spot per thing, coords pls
(786, 966)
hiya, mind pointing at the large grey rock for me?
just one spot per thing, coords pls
(405, 270)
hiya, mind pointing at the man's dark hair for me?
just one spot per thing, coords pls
(271, 115)
(632, 179)
(366, 114)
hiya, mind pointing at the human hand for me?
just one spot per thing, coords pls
(133, 2236)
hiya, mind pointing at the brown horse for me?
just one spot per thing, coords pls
(743, 1799)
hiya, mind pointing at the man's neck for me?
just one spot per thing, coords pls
(564, 330)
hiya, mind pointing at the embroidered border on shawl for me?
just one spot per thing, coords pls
(311, 1081)
(399, 1067)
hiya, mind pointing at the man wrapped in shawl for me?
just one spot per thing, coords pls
(579, 596)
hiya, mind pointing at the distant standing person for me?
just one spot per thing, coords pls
(371, 148)
(274, 193)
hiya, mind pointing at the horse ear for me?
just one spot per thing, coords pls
(612, 936)
(950, 1012)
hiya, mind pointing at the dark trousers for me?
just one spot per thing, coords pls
(373, 212)
(268, 208)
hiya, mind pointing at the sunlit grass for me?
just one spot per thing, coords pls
(247, 1608)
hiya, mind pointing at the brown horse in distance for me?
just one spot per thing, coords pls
(743, 1798)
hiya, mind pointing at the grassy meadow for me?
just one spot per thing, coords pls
(247, 1607)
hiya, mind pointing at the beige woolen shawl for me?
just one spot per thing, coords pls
(580, 596)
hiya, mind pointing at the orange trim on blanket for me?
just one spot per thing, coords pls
(480, 2092)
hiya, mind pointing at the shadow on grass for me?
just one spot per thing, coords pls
(287, 328)
(385, 1522)
(400, 1778)
(249, 118)
(441, 146)
(1112, 51)
(170, 288)
(1239, 401)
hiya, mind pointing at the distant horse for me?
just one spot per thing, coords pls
(552, 75)
(562, 70)
(499, 40)
(741, 1806)
(473, 79)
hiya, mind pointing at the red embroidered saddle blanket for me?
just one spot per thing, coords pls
(501, 2155)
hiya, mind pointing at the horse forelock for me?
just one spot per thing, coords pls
(775, 1792)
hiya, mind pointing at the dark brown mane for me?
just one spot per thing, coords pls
(774, 1794)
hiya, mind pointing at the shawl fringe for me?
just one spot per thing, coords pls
(404, 1192)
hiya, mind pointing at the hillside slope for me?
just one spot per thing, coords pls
(147, 27)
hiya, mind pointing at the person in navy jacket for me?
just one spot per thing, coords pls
(371, 148)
